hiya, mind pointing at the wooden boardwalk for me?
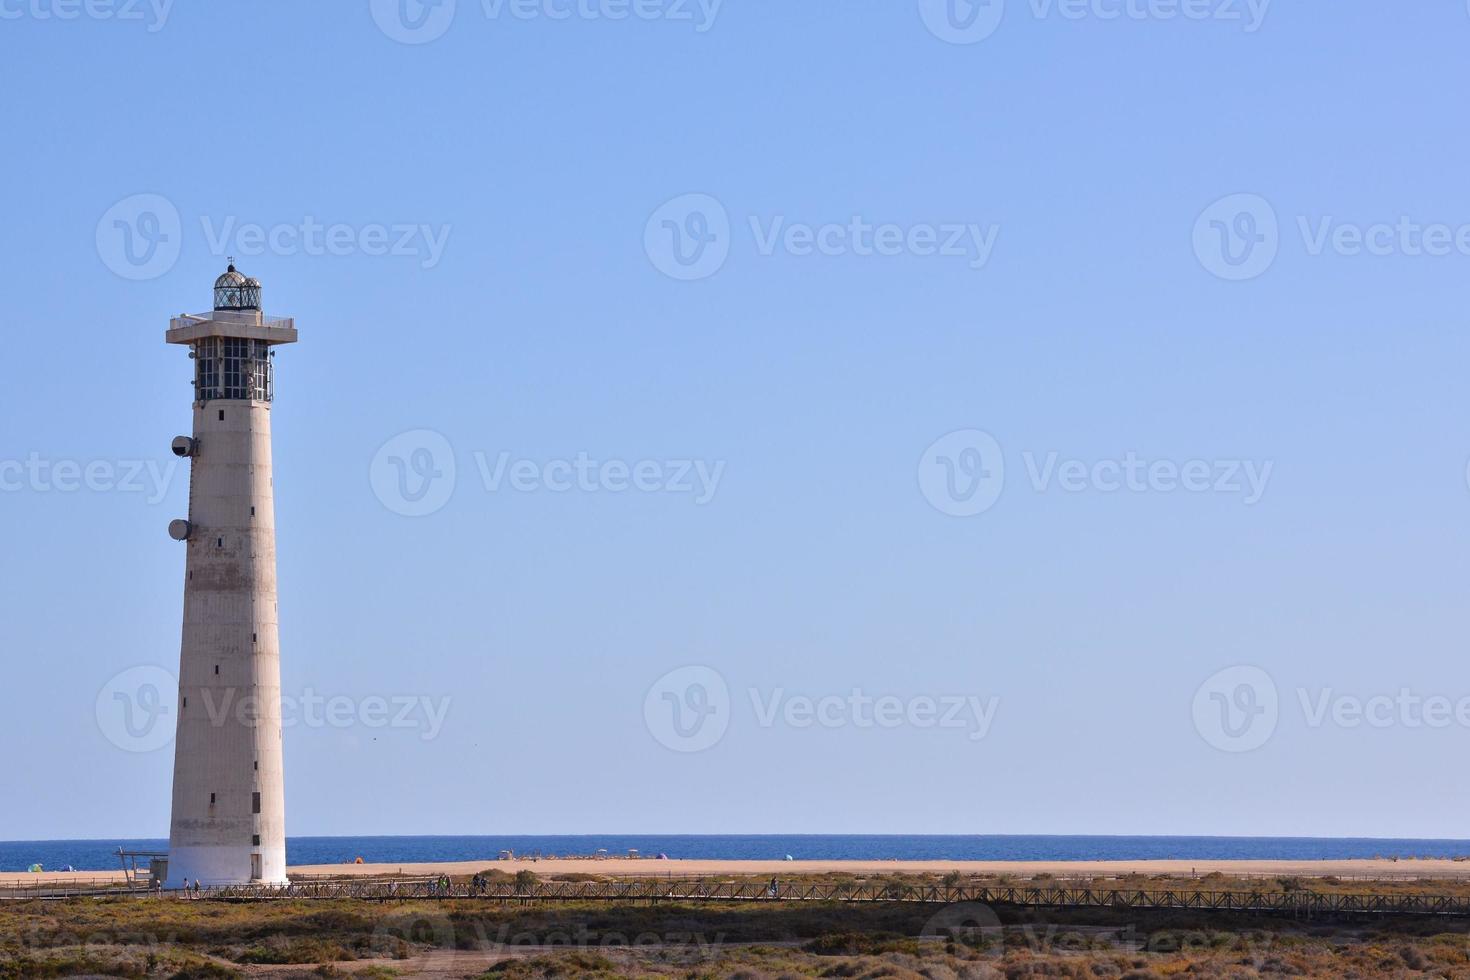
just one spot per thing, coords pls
(1305, 903)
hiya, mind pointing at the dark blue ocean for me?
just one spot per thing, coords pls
(101, 855)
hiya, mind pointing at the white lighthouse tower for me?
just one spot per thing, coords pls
(229, 809)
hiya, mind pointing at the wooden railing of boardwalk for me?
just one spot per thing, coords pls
(1304, 903)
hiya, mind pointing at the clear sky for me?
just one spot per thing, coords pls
(819, 347)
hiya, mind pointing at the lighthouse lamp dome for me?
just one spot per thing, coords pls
(235, 291)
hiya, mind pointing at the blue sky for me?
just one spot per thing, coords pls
(605, 375)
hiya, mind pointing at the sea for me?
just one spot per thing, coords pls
(101, 855)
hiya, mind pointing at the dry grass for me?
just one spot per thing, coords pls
(165, 939)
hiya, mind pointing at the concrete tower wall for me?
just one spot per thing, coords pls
(228, 823)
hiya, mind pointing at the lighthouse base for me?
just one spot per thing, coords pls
(214, 867)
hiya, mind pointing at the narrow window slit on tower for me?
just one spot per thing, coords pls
(211, 799)
(255, 803)
(219, 542)
(221, 415)
(255, 840)
(216, 670)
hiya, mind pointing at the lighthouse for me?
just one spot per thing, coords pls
(229, 810)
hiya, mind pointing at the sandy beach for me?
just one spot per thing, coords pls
(1366, 869)
(704, 868)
